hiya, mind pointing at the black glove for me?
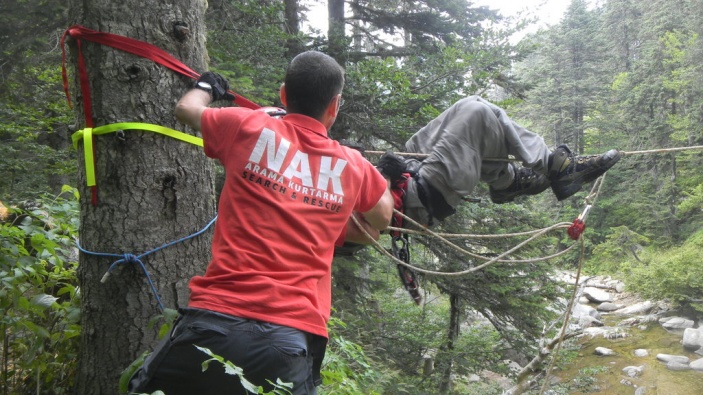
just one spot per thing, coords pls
(391, 166)
(215, 84)
(352, 144)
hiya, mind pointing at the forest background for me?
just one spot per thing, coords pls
(611, 74)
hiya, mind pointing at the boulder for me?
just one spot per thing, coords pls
(637, 308)
(579, 310)
(619, 287)
(633, 371)
(607, 307)
(682, 359)
(586, 321)
(597, 295)
(514, 367)
(692, 338)
(697, 365)
(676, 323)
(640, 319)
(600, 331)
(616, 333)
(640, 352)
(677, 366)
(605, 352)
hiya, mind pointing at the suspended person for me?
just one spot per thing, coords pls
(264, 300)
(460, 144)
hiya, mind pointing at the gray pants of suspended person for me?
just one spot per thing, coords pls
(457, 141)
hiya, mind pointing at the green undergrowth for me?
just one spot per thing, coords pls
(670, 273)
(39, 298)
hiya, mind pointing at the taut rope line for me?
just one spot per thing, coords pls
(625, 153)
(498, 259)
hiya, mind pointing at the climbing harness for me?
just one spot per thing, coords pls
(399, 245)
(400, 241)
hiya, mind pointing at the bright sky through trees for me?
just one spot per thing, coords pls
(548, 12)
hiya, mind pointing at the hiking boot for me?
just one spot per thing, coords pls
(526, 182)
(568, 172)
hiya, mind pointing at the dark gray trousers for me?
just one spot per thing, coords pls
(264, 351)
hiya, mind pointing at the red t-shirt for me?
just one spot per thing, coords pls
(288, 194)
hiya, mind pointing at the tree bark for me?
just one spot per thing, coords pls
(335, 30)
(525, 377)
(151, 189)
(294, 45)
(452, 336)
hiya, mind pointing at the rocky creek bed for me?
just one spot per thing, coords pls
(633, 346)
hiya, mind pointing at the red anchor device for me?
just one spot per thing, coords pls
(579, 225)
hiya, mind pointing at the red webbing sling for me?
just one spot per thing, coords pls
(126, 44)
(135, 47)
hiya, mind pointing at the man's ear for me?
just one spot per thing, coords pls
(282, 94)
(333, 107)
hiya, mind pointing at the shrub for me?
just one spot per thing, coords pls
(39, 296)
(674, 273)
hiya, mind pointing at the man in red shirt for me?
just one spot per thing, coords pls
(288, 197)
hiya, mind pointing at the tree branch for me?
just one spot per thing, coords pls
(525, 378)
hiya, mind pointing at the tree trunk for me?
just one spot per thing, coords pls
(151, 189)
(335, 30)
(294, 44)
(452, 335)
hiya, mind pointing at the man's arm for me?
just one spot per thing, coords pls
(209, 87)
(372, 221)
(379, 217)
(191, 106)
(392, 167)
(356, 235)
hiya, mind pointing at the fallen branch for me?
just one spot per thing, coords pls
(527, 376)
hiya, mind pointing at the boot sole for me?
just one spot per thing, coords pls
(569, 188)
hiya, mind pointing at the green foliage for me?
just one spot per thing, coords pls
(348, 370)
(279, 387)
(34, 116)
(585, 382)
(127, 373)
(513, 295)
(247, 46)
(39, 299)
(476, 349)
(620, 245)
(674, 273)
(691, 205)
(34, 154)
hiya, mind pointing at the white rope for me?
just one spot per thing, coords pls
(489, 261)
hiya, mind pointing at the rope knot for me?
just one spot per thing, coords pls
(130, 258)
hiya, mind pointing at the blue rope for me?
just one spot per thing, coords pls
(137, 259)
